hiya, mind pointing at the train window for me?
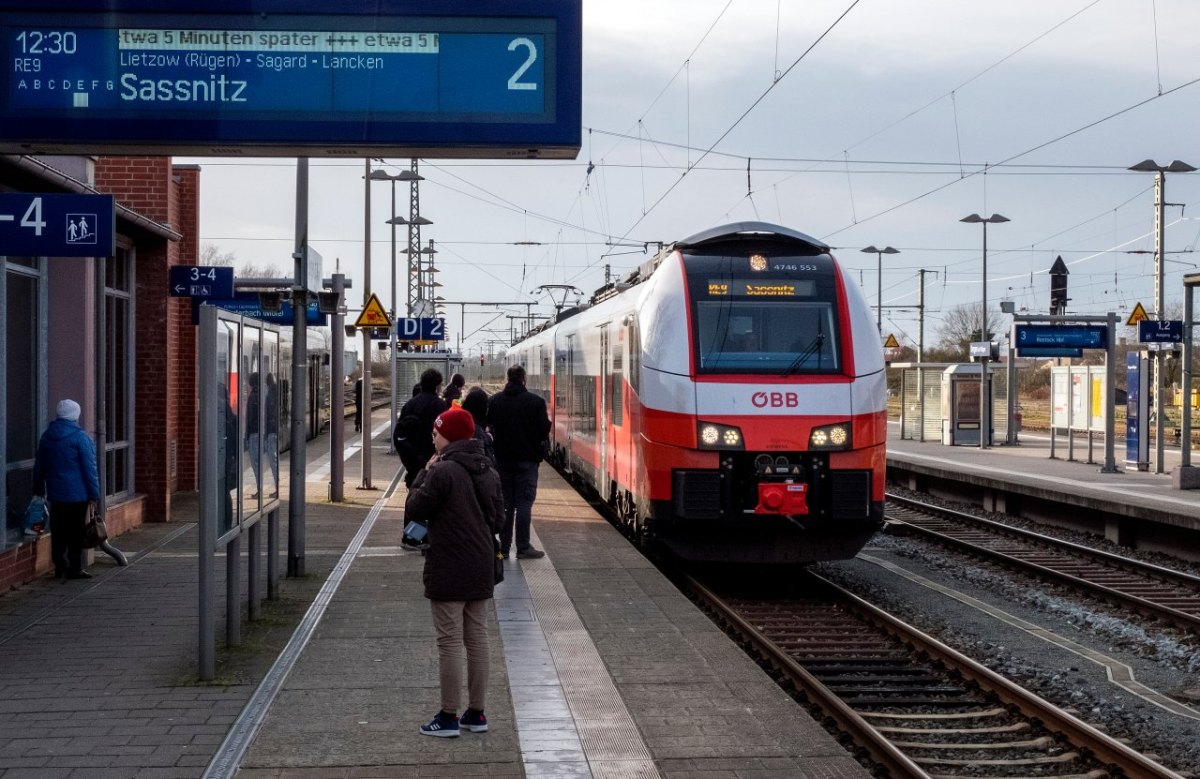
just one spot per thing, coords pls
(750, 336)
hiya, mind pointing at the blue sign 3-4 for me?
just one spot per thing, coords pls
(39, 224)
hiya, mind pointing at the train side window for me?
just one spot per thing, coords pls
(635, 358)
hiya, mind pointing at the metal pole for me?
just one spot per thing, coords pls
(210, 423)
(365, 483)
(1110, 378)
(296, 498)
(337, 428)
(985, 417)
(392, 334)
(879, 292)
(1185, 441)
(1160, 196)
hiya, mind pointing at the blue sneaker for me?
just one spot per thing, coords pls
(474, 721)
(442, 725)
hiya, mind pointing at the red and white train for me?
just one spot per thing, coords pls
(728, 399)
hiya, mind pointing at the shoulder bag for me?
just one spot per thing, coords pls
(94, 531)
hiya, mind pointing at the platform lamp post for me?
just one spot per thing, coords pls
(985, 409)
(1160, 197)
(879, 282)
(378, 174)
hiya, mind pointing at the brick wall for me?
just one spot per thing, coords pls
(165, 426)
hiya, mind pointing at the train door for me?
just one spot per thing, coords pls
(602, 478)
(569, 398)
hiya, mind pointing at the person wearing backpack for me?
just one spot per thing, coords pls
(413, 435)
(457, 496)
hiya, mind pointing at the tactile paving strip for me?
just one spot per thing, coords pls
(611, 741)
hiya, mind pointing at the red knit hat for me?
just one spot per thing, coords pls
(455, 424)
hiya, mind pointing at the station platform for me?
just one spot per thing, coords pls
(1025, 479)
(600, 667)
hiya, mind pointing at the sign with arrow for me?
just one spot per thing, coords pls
(201, 281)
(373, 315)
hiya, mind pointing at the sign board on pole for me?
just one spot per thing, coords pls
(201, 281)
(1136, 316)
(1160, 331)
(1061, 336)
(248, 304)
(39, 224)
(423, 329)
(373, 315)
(423, 78)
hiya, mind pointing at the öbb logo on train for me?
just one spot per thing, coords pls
(775, 399)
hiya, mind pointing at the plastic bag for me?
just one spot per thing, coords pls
(37, 516)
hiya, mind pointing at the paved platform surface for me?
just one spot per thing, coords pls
(600, 668)
(1029, 467)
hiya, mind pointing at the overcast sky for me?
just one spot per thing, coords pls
(878, 133)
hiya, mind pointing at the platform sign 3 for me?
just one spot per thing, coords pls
(39, 224)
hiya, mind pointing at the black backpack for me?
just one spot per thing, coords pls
(404, 437)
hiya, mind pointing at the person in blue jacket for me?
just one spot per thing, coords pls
(65, 473)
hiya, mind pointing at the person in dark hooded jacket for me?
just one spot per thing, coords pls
(521, 430)
(458, 497)
(65, 472)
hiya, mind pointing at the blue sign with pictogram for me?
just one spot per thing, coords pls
(41, 224)
(1160, 331)
(201, 281)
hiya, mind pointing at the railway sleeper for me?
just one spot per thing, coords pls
(1032, 743)
(1014, 727)
(1065, 757)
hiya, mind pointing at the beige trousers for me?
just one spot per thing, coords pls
(461, 629)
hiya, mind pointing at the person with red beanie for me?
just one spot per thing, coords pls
(457, 496)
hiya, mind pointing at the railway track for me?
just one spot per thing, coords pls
(917, 707)
(1147, 589)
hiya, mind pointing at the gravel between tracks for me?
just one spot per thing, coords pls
(1163, 658)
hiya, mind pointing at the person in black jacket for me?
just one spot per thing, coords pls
(458, 497)
(455, 390)
(521, 431)
(413, 436)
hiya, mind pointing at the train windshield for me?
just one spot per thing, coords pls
(780, 320)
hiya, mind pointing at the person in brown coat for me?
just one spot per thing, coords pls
(458, 497)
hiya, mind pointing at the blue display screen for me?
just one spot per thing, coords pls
(289, 80)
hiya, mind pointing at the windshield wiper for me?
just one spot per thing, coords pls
(813, 348)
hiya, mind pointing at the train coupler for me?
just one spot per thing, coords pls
(787, 498)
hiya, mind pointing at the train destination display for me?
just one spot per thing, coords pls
(278, 83)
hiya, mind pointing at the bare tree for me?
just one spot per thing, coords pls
(211, 254)
(960, 327)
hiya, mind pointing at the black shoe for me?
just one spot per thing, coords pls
(530, 554)
(79, 575)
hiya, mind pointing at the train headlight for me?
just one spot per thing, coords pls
(830, 437)
(713, 436)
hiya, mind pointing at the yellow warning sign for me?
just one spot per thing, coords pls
(1138, 315)
(891, 342)
(373, 314)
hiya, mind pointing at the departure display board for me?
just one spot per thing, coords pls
(438, 79)
(774, 288)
